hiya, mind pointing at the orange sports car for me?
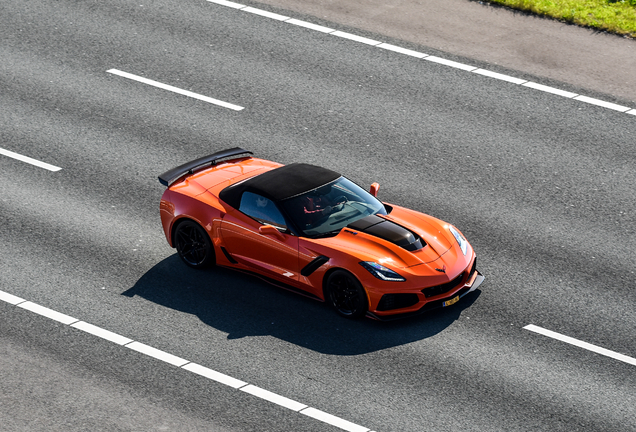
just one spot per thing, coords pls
(311, 230)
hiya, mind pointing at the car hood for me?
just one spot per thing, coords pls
(381, 239)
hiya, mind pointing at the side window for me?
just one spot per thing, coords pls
(261, 209)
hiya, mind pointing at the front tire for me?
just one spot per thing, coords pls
(346, 295)
(194, 245)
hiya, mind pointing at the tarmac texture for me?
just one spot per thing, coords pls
(597, 61)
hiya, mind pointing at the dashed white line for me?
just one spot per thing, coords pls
(183, 364)
(273, 397)
(401, 50)
(175, 89)
(333, 420)
(228, 4)
(49, 313)
(450, 63)
(102, 333)
(435, 59)
(310, 25)
(29, 160)
(602, 103)
(158, 354)
(214, 375)
(547, 89)
(356, 38)
(499, 76)
(10, 298)
(266, 14)
(581, 344)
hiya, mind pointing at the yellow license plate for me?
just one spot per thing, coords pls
(451, 301)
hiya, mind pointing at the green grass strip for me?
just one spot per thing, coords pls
(615, 16)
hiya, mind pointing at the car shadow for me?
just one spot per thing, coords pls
(243, 305)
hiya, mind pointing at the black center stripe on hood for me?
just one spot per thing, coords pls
(390, 231)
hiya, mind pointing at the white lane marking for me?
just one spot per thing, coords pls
(156, 353)
(228, 4)
(10, 298)
(102, 333)
(435, 59)
(49, 313)
(266, 14)
(547, 89)
(29, 160)
(273, 397)
(356, 38)
(310, 25)
(401, 50)
(499, 76)
(450, 63)
(602, 103)
(184, 364)
(214, 375)
(175, 89)
(581, 344)
(333, 420)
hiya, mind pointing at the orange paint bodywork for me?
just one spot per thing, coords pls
(242, 243)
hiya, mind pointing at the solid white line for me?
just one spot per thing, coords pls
(401, 50)
(158, 354)
(184, 364)
(49, 313)
(273, 397)
(356, 38)
(10, 298)
(214, 375)
(310, 25)
(435, 59)
(581, 344)
(102, 333)
(333, 420)
(266, 14)
(547, 89)
(175, 89)
(450, 63)
(499, 76)
(29, 160)
(227, 3)
(602, 103)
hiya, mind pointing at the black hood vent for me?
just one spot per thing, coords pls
(390, 231)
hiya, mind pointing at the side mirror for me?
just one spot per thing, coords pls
(375, 187)
(270, 230)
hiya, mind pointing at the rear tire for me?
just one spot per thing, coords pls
(346, 295)
(194, 245)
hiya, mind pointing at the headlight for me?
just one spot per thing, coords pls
(463, 244)
(382, 272)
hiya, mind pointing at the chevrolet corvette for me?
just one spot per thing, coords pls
(311, 230)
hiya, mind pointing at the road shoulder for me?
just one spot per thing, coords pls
(541, 47)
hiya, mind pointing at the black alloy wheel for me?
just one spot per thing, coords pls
(346, 295)
(193, 245)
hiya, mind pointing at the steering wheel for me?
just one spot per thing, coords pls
(341, 199)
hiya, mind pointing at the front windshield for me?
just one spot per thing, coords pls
(329, 208)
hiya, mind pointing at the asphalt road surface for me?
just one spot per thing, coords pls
(542, 184)
(597, 61)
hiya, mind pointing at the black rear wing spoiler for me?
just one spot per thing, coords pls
(171, 176)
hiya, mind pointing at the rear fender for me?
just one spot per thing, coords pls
(181, 207)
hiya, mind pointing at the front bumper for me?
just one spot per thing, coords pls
(471, 286)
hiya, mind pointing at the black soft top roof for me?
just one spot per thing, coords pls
(280, 183)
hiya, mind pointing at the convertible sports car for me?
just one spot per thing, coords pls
(310, 230)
